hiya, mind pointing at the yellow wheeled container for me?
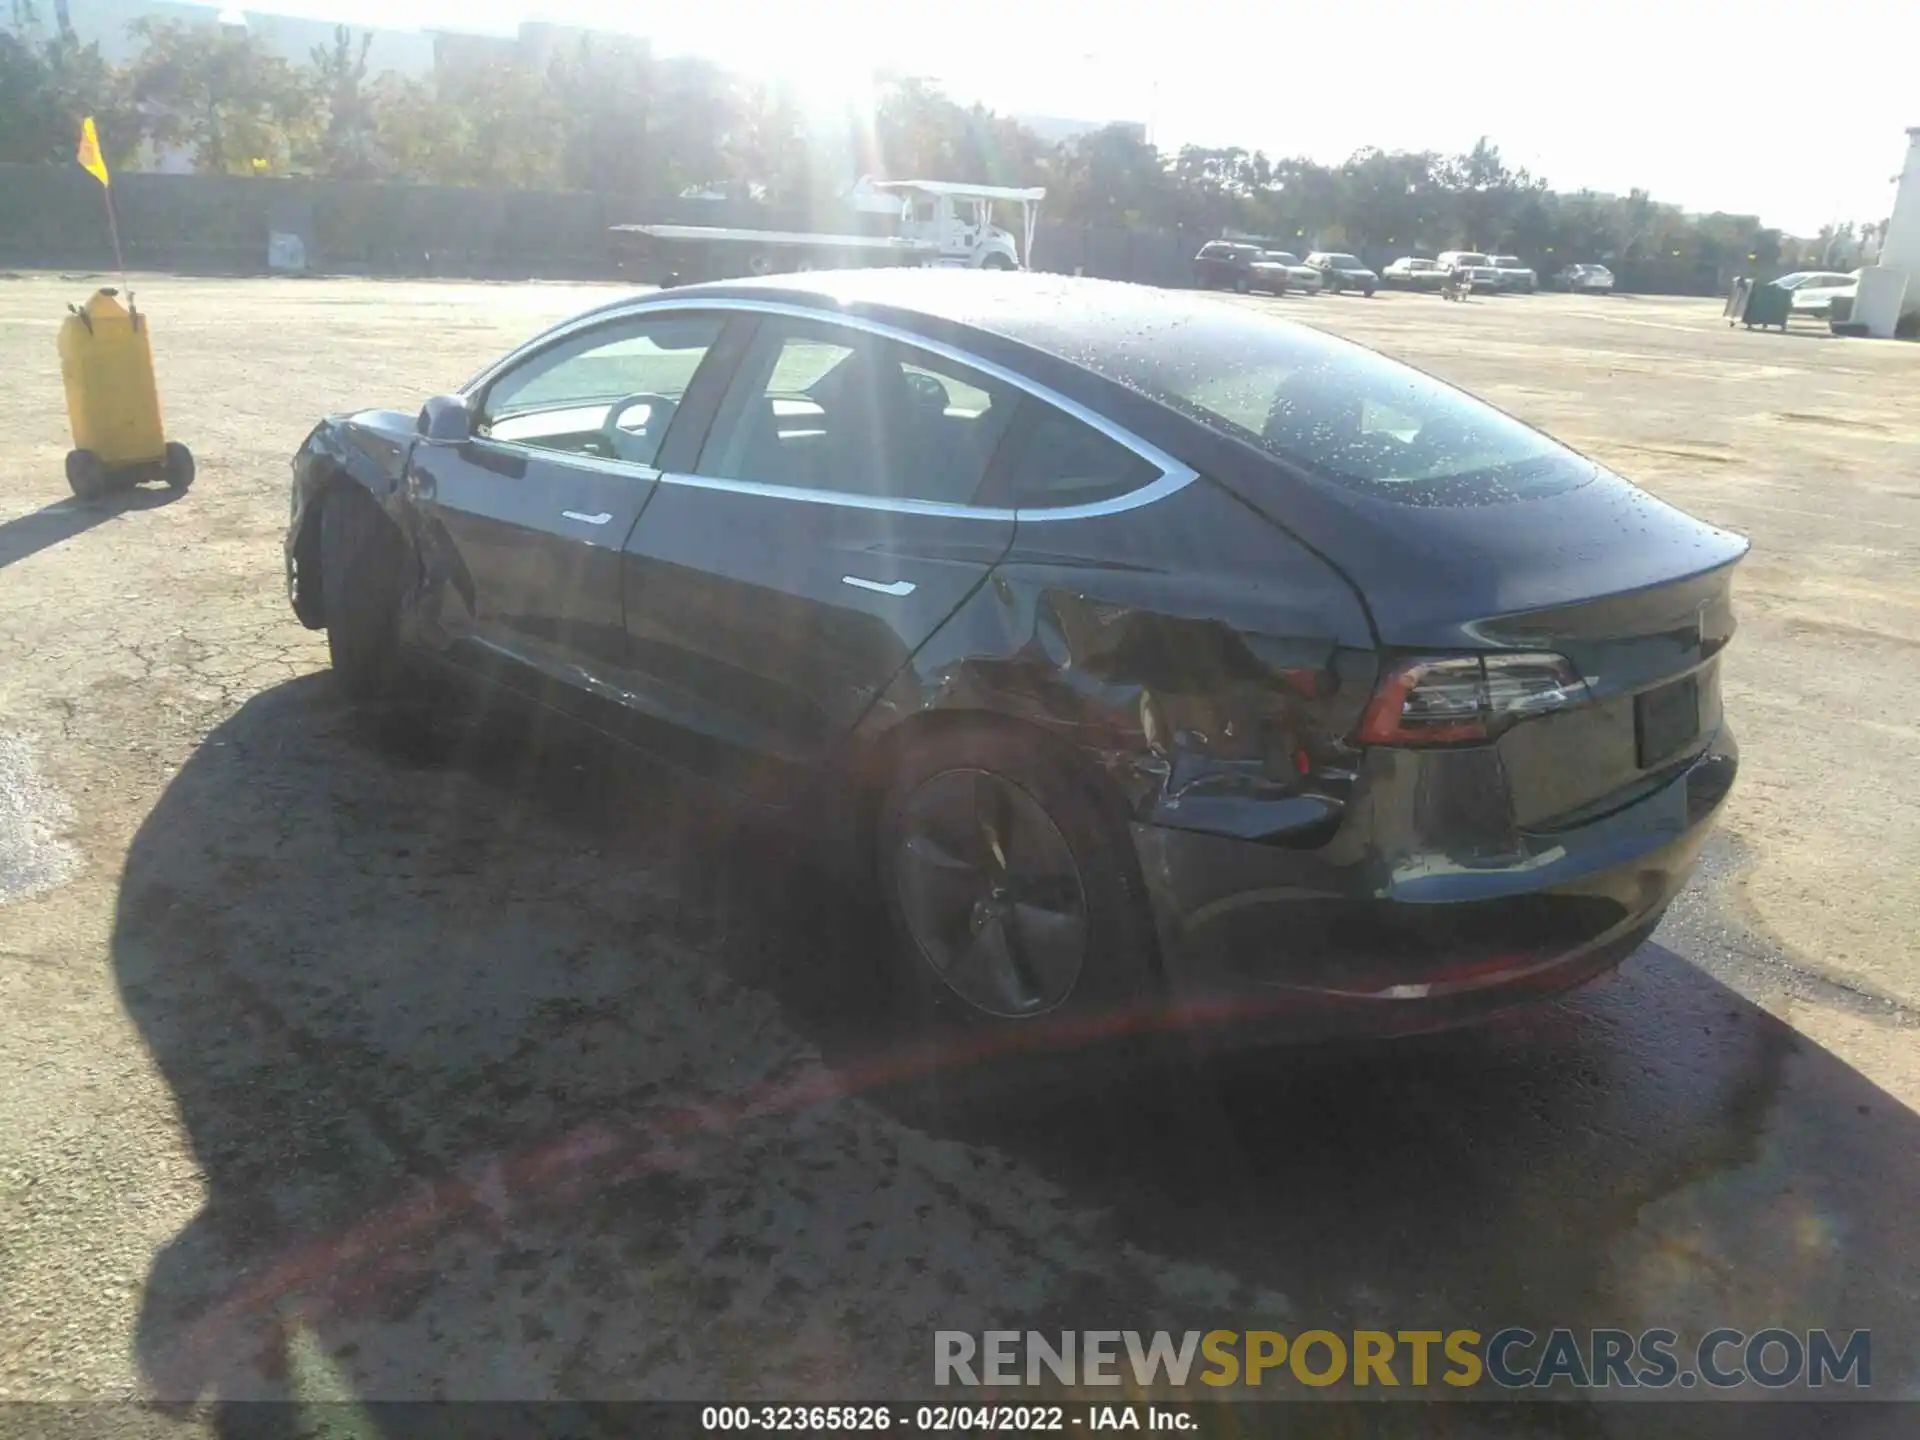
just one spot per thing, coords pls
(106, 363)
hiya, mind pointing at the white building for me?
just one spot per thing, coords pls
(1891, 288)
(107, 23)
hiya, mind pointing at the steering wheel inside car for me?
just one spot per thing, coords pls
(638, 446)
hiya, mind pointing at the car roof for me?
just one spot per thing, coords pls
(1028, 308)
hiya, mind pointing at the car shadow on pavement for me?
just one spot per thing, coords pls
(517, 1070)
(50, 525)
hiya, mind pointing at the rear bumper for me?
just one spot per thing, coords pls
(1278, 943)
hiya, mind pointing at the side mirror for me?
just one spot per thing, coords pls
(445, 420)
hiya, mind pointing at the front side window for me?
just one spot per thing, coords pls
(814, 406)
(609, 393)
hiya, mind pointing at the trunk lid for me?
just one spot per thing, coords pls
(1650, 659)
(1636, 594)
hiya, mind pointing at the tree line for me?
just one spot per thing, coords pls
(603, 113)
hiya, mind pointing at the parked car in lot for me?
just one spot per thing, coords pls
(1584, 279)
(1815, 291)
(1226, 265)
(1300, 275)
(1245, 668)
(1479, 270)
(1511, 275)
(1341, 272)
(1796, 279)
(1410, 272)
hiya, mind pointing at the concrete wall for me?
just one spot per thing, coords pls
(53, 216)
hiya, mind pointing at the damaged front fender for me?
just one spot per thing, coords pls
(368, 449)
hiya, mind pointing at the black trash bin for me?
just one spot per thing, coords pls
(1769, 304)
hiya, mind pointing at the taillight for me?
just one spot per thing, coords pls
(1450, 700)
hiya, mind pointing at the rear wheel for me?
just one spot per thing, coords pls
(362, 564)
(1012, 889)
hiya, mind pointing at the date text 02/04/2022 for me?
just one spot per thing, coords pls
(936, 1419)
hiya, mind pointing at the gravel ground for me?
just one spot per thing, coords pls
(345, 1064)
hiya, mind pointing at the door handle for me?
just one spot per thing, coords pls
(602, 518)
(895, 588)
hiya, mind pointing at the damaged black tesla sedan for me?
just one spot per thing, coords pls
(1155, 654)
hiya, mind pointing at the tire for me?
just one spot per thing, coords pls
(362, 560)
(1012, 891)
(996, 261)
(178, 469)
(86, 475)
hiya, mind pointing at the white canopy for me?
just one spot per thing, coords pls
(1030, 195)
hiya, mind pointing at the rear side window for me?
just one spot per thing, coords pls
(815, 406)
(1339, 412)
(1055, 460)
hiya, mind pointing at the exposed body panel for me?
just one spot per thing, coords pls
(1201, 657)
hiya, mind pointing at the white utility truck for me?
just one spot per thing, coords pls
(908, 222)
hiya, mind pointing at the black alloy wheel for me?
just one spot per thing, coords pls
(1013, 892)
(990, 893)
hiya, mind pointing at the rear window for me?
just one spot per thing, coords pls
(1341, 413)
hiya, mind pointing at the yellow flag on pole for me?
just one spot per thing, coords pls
(90, 157)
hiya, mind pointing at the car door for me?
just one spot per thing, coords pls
(529, 515)
(784, 576)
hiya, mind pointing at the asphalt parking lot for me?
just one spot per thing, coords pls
(338, 1063)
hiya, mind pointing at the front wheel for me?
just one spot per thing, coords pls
(178, 467)
(1011, 886)
(86, 476)
(362, 567)
(996, 261)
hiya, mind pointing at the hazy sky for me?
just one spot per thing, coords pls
(1709, 104)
